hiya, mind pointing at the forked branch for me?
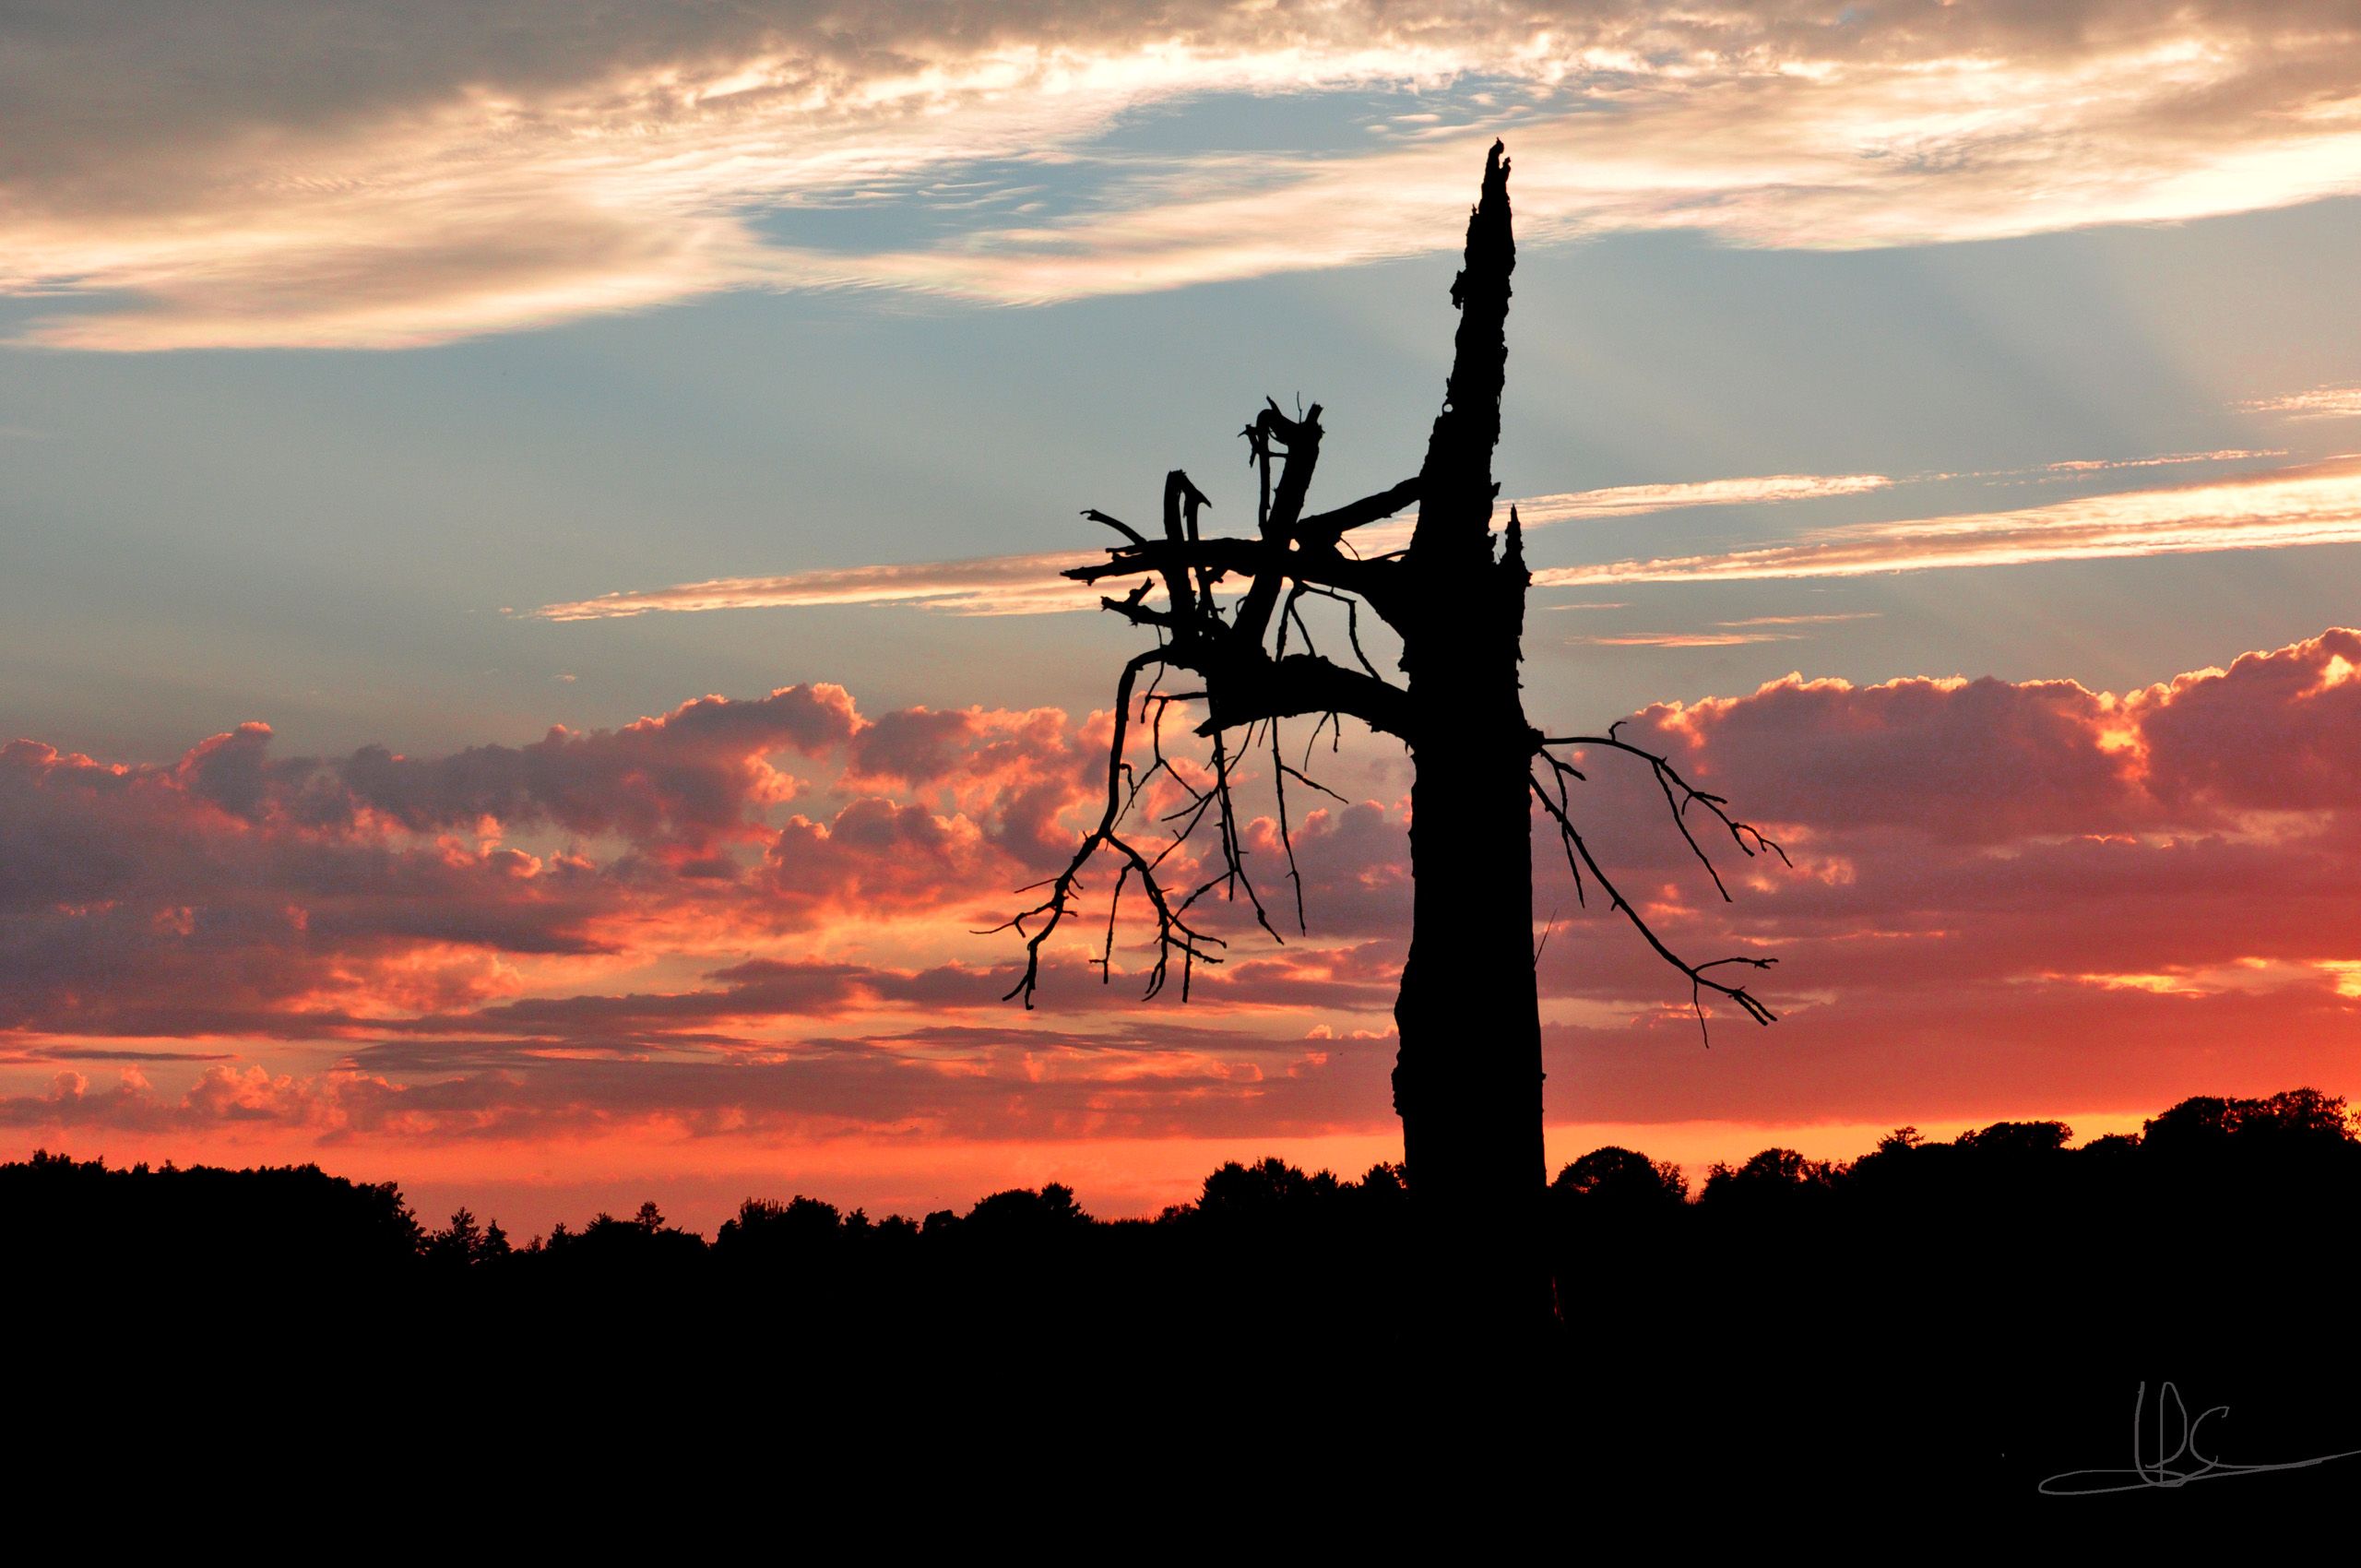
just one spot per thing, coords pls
(1678, 796)
(1700, 980)
(1173, 932)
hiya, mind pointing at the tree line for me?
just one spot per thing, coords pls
(1959, 1316)
(2255, 1163)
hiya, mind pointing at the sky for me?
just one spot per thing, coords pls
(530, 536)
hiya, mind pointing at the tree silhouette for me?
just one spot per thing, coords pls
(1469, 1076)
(1621, 1181)
(458, 1244)
(1772, 1175)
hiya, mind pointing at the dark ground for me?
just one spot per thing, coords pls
(1923, 1336)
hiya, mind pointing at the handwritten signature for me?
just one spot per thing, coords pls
(2175, 1457)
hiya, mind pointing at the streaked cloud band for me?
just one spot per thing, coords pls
(1026, 584)
(2312, 503)
(996, 584)
(2315, 503)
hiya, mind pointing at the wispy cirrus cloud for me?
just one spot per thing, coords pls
(1728, 634)
(354, 174)
(2294, 506)
(1027, 585)
(2319, 403)
(2313, 504)
(2076, 467)
(1638, 500)
(1686, 639)
(992, 585)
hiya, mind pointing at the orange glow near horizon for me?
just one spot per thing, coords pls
(530, 1187)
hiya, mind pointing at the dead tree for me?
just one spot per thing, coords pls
(1468, 1078)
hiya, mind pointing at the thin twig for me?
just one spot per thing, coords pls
(1698, 981)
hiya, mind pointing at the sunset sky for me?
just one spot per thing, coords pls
(528, 540)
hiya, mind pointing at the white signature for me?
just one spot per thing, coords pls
(2174, 1457)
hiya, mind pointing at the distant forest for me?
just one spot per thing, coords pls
(1955, 1316)
(2253, 1154)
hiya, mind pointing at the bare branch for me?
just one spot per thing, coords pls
(1311, 783)
(1302, 683)
(1121, 527)
(1563, 813)
(1337, 736)
(1286, 836)
(1678, 796)
(1352, 623)
(1173, 932)
(1180, 530)
(1698, 982)
(1375, 579)
(1233, 875)
(1245, 686)
(1280, 510)
(1133, 607)
(1289, 614)
(1327, 527)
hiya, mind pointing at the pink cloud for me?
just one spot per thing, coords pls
(2008, 895)
(235, 892)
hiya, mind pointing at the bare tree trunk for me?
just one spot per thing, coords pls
(1468, 1080)
(1467, 1084)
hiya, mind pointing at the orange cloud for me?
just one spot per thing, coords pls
(2169, 459)
(1686, 639)
(1026, 584)
(234, 893)
(2319, 403)
(2314, 503)
(998, 584)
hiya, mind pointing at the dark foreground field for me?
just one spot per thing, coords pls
(1936, 1328)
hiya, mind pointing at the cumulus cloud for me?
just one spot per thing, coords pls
(253, 172)
(2005, 893)
(1966, 840)
(679, 783)
(232, 892)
